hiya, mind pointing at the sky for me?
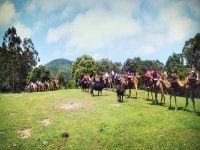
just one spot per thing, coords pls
(112, 29)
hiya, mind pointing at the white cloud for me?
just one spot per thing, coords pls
(7, 12)
(22, 30)
(130, 28)
(95, 29)
(46, 6)
(31, 6)
(38, 26)
(176, 23)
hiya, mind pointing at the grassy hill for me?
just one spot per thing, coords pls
(37, 121)
(63, 64)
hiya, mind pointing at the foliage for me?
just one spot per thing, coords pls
(61, 76)
(131, 64)
(140, 66)
(191, 51)
(40, 73)
(71, 84)
(106, 65)
(83, 65)
(175, 64)
(96, 122)
(17, 58)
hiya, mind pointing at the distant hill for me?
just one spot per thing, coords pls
(60, 64)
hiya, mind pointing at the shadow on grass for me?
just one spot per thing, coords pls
(197, 113)
(158, 104)
(147, 99)
(96, 95)
(133, 97)
(109, 89)
(173, 108)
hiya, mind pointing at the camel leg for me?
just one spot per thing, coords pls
(155, 91)
(175, 100)
(162, 93)
(193, 101)
(148, 92)
(170, 101)
(173, 94)
(186, 104)
(193, 105)
(136, 90)
(129, 94)
(151, 93)
(156, 100)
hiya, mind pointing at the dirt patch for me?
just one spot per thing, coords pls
(45, 121)
(25, 133)
(12, 114)
(69, 106)
(116, 105)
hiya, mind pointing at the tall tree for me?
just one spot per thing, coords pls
(175, 63)
(40, 73)
(140, 66)
(83, 65)
(191, 51)
(17, 59)
(130, 65)
(104, 65)
(61, 76)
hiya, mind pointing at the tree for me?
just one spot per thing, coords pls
(17, 58)
(130, 65)
(175, 63)
(191, 51)
(40, 73)
(140, 66)
(104, 65)
(83, 65)
(61, 76)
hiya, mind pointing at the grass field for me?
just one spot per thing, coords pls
(37, 121)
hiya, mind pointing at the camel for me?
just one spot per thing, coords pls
(133, 83)
(189, 84)
(154, 85)
(111, 82)
(172, 86)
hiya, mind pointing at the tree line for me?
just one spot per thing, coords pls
(18, 60)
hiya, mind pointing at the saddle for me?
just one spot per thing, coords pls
(155, 80)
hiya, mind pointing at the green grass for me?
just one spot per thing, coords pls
(98, 123)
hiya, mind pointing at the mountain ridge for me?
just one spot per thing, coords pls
(60, 64)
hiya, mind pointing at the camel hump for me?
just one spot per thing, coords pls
(198, 81)
(182, 83)
(167, 84)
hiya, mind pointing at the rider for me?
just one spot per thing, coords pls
(193, 74)
(155, 76)
(148, 77)
(85, 78)
(106, 77)
(129, 76)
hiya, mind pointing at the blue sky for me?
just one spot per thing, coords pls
(112, 29)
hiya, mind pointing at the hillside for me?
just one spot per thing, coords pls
(63, 64)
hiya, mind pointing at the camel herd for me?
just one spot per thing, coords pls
(42, 86)
(188, 85)
(124, 84)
